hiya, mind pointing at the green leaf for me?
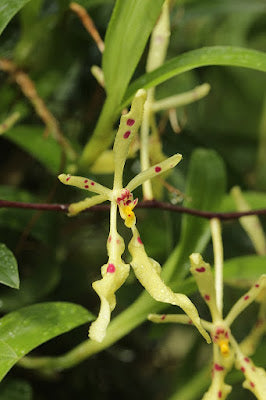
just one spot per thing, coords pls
(256, 200)
(8, 8)
(38, 282)
(23, 330)
(216, 55)
(8, 267)
(206, 184)
(16, 389)
(130, 26)
(244, 271)
(44, 149)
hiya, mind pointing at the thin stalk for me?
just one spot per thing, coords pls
(218, 261)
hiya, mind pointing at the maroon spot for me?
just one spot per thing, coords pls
(201, 269)
(163, 317)
(128, 202)
(243, 369)
(220, 394)
(126, 134)
(207, 297)
(118, 199)
(139, 240)
(257, 285)
(246, 297)
(219, 331)
(67, 179)
(109, 239)
(226, 335)
(118, 241)
(190, 322)
(86, 186)
(111, 268)
(246, 359)
(252, 384)
(158, 169)
(130, 122)
(86, 180)
(218, 367)
(92, 183)
(216, 337)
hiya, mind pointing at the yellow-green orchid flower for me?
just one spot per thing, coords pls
(115, 272)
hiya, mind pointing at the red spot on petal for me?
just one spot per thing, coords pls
(86, 180)
(109, 239)
(243, 369)
(246, 297)
(252, 384)
(128, 202)
(190, 322)
(130, 122)
(257, 285)
(207, 297)
(67, 179)
(126, 134)
(163, 317)
(201, 269)
(118, 241)
(226, 335)
(219, 331)
(139, 240)
(111, 268)
(220, 394)
(246, 359)
(218, 367)
(86, 186)
(158, 169)
(92, 183)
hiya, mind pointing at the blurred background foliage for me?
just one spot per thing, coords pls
(58, 257)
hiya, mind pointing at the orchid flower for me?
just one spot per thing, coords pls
(226, 350)
(115, 271)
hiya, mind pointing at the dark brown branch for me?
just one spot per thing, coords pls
(144, 204)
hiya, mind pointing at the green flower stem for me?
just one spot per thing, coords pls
(157, 52)
(218, 261)
(182, 99)
(144, 144)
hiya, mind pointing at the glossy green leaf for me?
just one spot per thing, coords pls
(8, 267)
(130, 26)
(216, 55)
(244, 271)
(15, 389)
(38, 282)
(8, 8)
(25, 329)
(44, 149)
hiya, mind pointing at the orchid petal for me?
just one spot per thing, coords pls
(129, 125)
(82, 205)
(85, 183)
(148, 271)
(153, 171)
(204, 278)
(246, 299)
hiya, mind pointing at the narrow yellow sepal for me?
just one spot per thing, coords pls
(153, 171)
(204, 278)
(148, 271)
(84, 183)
